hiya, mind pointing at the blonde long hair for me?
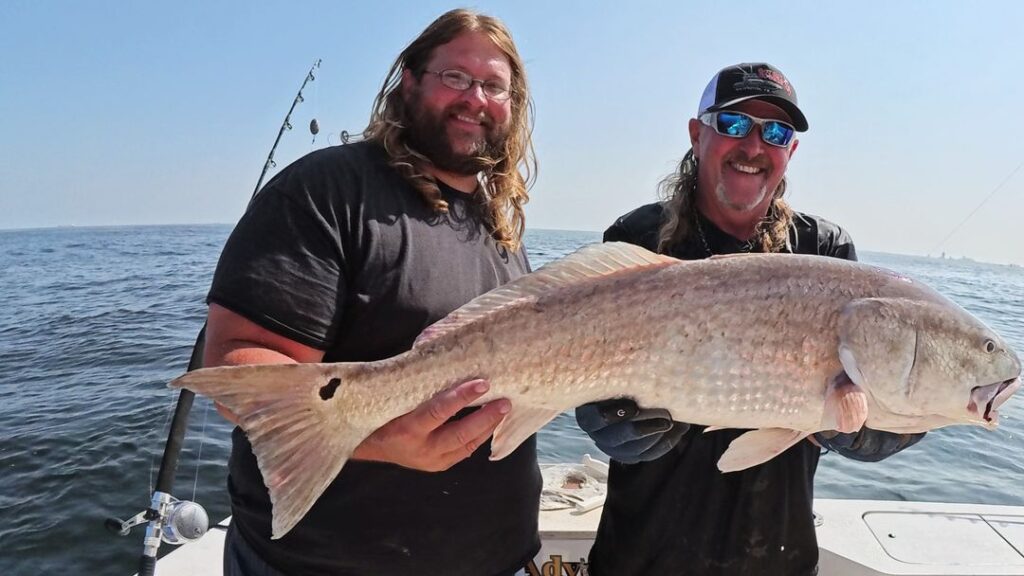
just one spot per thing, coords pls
(506, 180)
(679, 190)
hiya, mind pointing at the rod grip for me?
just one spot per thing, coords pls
(147, 565)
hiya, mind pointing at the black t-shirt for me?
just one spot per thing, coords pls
(340, 253)
(678, 515)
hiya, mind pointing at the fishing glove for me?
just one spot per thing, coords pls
(628, 433)
(866, 445)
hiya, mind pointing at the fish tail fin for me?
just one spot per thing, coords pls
(300, 435)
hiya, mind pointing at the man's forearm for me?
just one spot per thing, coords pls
(239, 352)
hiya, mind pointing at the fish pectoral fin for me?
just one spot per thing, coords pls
(714, 428)
(519, 424)
(846, 405)
(757, 447)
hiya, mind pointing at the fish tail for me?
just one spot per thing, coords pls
(290, 412)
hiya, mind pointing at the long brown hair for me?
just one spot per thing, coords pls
(507, 179)
(679, 191)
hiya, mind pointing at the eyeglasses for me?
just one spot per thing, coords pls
(738, 125)
(459, 80)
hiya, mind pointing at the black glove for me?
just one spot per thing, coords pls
(627, 433)
(866, 445)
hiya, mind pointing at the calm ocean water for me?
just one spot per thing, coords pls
(97, 320)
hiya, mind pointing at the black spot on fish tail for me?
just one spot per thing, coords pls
(327, 391)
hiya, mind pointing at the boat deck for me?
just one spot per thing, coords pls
(856, 538)
(876, 538)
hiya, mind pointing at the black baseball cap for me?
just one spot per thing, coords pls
(749, 81)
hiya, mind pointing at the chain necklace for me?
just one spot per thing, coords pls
(703, 238)
(747, 246)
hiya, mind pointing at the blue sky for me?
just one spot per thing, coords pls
(137, 113)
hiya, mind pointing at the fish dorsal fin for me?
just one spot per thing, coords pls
(593, 261)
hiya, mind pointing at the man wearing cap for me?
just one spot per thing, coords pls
(669, 510)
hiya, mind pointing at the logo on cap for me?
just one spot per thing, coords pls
(776, 77)
(763, 80)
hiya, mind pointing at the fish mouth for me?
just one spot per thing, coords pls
(991, 396)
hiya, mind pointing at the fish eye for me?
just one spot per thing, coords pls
(990, 346)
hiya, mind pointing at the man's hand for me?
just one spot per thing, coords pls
(425, 440)
(627, 433)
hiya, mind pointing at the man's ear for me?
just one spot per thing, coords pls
(408, 82)
(694, 127)
(793, 147)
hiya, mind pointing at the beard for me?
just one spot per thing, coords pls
(428, 135)
(723, 196)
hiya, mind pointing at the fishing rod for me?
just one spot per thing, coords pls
(287, 125)
(976, 208)
(169, 519)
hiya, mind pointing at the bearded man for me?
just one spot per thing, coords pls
(346, 256)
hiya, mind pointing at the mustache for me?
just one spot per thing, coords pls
(759, 161)
(485, 119)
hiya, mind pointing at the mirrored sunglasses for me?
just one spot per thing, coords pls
(738, 125)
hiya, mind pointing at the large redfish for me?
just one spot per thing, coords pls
(786, 345)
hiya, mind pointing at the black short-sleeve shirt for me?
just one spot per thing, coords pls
(678, 515)
(340, 253)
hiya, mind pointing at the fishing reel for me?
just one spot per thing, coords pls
(171, 520)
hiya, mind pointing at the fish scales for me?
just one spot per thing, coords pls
(735, 336)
